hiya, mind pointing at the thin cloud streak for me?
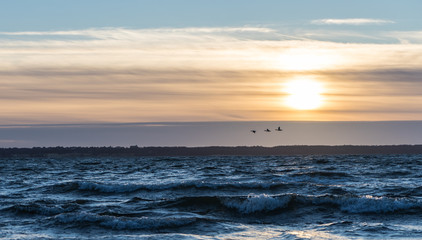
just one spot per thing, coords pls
(103, 32)
(350, 21)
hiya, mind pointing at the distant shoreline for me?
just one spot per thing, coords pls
(135, 151)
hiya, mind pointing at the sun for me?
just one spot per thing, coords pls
(304, 94)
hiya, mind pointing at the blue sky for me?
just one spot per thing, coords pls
(123, 62)
(47, 15)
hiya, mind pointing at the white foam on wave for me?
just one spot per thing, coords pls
(257, 203)
(366, 204)
(124, 223)
(370, 204)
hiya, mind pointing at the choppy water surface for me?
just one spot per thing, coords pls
(302, 197)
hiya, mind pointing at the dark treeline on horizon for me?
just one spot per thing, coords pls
(135, 151)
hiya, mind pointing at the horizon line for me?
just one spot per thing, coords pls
(168, 123)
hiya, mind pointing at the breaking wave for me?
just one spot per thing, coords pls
(257, 203)
(261, 203)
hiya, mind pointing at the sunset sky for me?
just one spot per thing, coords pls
(119, 62)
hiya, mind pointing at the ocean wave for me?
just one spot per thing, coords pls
(43, 207)
(370, 204)
(252, 203)
(130, 188)
(322, 174)
(417, 191)
(261, 203)
(108, 188)
(37, 209)
(363, 204)
(92, 187)
(257, 203)
(84, 219)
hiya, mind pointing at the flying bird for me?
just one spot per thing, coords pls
(279, 129)
(253, 131)
(267, 130)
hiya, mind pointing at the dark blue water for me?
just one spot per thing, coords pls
(302, 197)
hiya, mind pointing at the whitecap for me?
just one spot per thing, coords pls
(257, 203)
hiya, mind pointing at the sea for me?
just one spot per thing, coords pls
(212, 197)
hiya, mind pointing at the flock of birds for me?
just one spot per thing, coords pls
(268, 130)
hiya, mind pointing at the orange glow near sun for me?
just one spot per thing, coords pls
(304, 94)
(307, 59)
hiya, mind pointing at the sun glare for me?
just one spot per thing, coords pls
(303, 60)
(304, 94)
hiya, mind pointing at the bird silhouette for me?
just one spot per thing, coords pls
(279, 129)
(267, 130)
(253, 131)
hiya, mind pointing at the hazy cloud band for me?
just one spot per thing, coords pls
(350, 21)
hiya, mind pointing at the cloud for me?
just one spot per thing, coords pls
(350, 21)
(129, 34)
(406, 37)
(195, 74)
(195, 48)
